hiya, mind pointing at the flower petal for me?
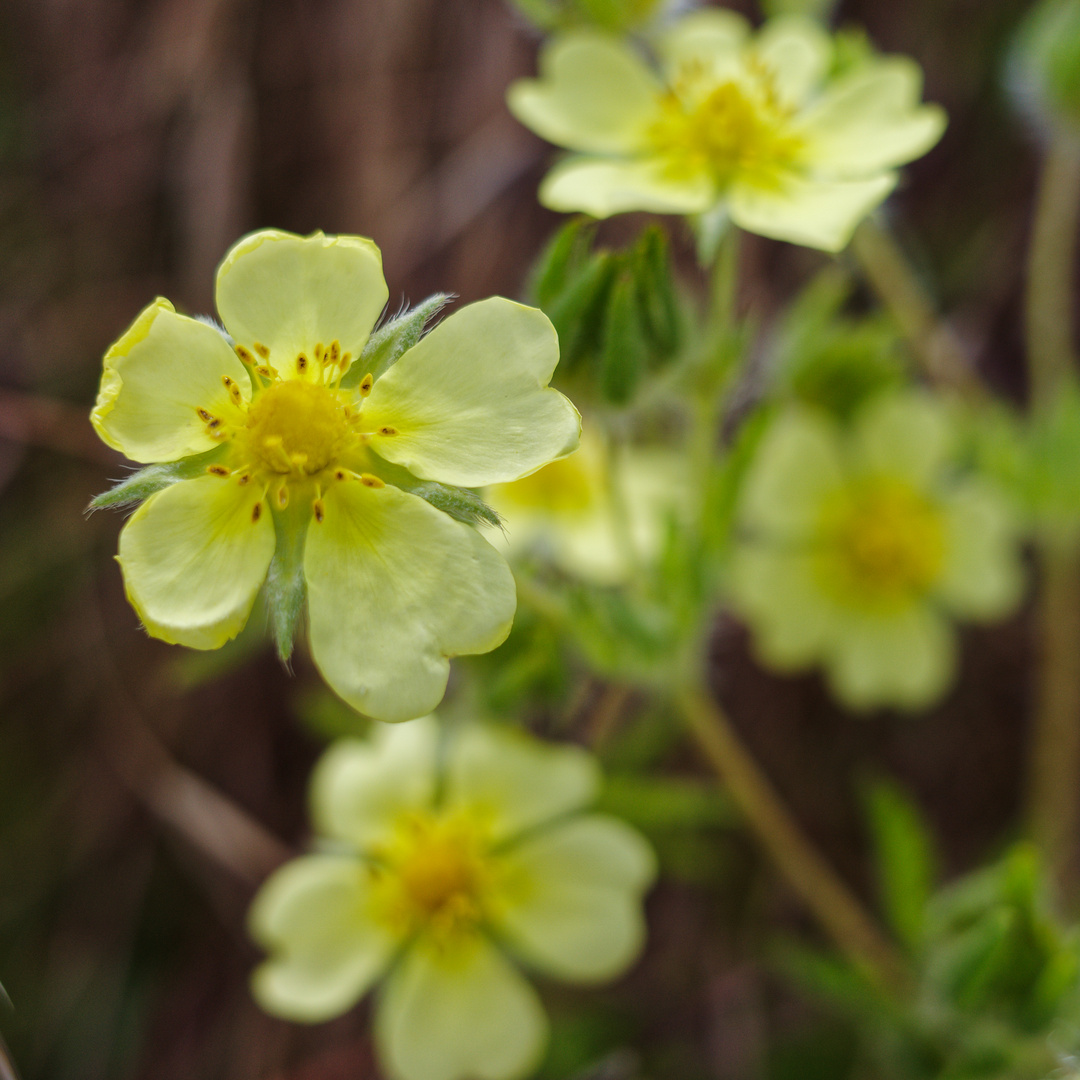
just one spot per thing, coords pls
(291, 293)
(904, 434)
(164, 368)
(797, 467)
(594, 93)
(602, 188)
(518, 782)
(465, 1014)
(395, 588)
(572, 899)
(712, 38)
(798, 52)
(361, 787)
(776, 592)
(817, 213)
(871, 120)
(325, 950)
(906, 659)
(193, 558)
(983, 577)
(470, 403)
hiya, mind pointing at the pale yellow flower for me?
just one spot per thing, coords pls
(439, 861)
(748, 125)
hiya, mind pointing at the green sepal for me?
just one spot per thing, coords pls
(387, 344)
(285, 587)
(140, 485)
(624, 351)
(459, 503)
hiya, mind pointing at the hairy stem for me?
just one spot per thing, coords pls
(836, 908)
(892, 277)
(1054, 777)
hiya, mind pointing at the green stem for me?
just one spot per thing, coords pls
(892, 277)
(836, 908)
(1054, 770)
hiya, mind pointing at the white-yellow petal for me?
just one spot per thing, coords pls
(465, 1014)
(595, 93)
(710, 39)
(571, 898)
(798, 466)
(983, 577)
(165, 368)
(516, 782)
(797, 51)
(360, 788)
(817, 213)
(470, 403)
(193, 558)
(291, 293)
(905, 659)
(325, 950)
(601, 188)
(871, 120)
(908, 435)
(395, 588)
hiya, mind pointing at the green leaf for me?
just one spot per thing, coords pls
(560, 261)
(140, 485)
(660, 803)
(906, 859)
(285, 587)
(656, 292)
(386, 345)
(623, 354)
(543, 14)
(578, 313)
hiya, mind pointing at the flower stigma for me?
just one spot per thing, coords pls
(885, 543)
(726, 130)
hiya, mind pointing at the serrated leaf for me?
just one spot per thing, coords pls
(459, 503)
(140, 485)
(285, 587)
(578, 314)
(387, 344)
(905, 857)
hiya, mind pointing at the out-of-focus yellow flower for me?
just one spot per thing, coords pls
(437, 859)
(747, 124)
(595, 518)
(861, 545)
(284, 458)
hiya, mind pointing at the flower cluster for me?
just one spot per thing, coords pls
(295, 463)
(752, 126)
(436, 861)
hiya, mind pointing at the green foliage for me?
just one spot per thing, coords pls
(1044, 64)
(815, 9)
(832, 360)
(617, 16)
(616, 312)
(905, 859)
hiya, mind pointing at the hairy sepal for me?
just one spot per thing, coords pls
(285, 588)
(140, 485)
(394, 338)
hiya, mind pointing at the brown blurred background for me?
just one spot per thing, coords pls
(143, 791)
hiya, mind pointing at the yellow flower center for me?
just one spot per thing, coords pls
(433, 877)
(297, 427)
(728, 129)
(885, 543)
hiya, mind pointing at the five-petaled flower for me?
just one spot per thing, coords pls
(861, 545)
(436, 860)
(291, 461)
(751, 126)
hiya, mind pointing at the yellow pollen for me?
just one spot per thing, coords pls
(887, 540)
(726, 130)
(296, 427)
